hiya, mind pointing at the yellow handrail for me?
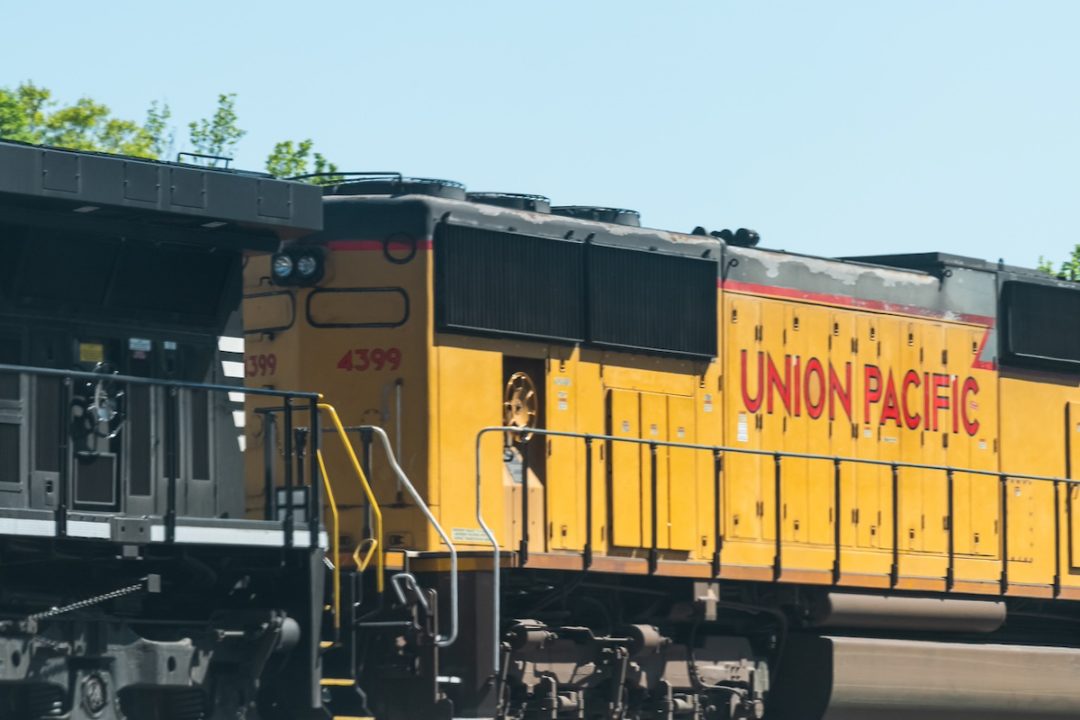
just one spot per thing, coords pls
(335, 539)
(362, 561)
(380, 579)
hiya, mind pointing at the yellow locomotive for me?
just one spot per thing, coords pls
(657, 465)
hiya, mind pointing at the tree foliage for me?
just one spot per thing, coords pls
(219, 134)
(29, 113)
(290, 159)
(1069, 268)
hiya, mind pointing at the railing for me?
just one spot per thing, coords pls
(378, 544)
(404, 482)
(172, 418)
(718, 452)
(374, 545)
(369, 546)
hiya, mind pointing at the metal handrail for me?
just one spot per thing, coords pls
(157, 382)
(335, 541)
(171, 389)
(449, 638)
(364, 550)
(380, 580)
(777, 457)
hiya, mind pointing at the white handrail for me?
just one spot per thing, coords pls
(449, 638)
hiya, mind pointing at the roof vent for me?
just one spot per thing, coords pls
(741, 237)
(514, 201)
(617, 216)
(387, 183)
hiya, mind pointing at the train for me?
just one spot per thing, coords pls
(377, 446)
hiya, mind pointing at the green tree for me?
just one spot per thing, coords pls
(1069, 268)
(29, 114)
(218, 134)
(289, 159)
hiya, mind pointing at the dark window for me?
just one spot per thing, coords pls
(47, 425)
(171, 279)
(1042, 324)
(652, 301)
(508, 283)
(9, 355)
(138, 428)
(200, 435)
(60, 271)
(10, 465)
(95, 480)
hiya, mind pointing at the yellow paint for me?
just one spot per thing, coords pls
(452, 385)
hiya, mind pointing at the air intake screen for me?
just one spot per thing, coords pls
(549, 288)
(652, 301)
(1042, 323)
(508, 283)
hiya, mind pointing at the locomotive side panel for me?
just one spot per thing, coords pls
(360, 335)
(891, 383)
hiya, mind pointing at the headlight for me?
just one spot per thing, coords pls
(282, 267)
(307, 266)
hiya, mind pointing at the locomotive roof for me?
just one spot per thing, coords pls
(930, 284)
(347, 208)
(418, 215)
(42, 185)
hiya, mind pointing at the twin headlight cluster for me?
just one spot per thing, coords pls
(298, 266)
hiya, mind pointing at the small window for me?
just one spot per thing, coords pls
(10, 355)
(10, 459)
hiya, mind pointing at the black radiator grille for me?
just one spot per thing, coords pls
(652, 301)
(1042, 323)
(508, 283)
(555, 289)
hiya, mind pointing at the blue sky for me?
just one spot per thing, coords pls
(830, 127)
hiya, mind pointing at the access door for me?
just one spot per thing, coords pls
(642, 477)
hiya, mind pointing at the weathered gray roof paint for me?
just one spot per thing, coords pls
(935, 285)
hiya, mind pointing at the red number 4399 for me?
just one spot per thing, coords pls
(362, 359)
